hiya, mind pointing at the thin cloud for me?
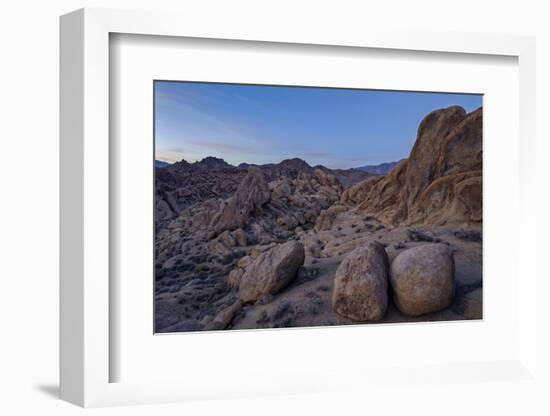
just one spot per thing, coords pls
(226, 148)
(315, 154)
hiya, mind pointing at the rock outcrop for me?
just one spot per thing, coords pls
(241, 237)
(361, 284)
(224, 317)
(163, 210)
(325, 179)
(440, 183)
(358, 192)
(184, 184)
(327, 217)
(234, 277)
(251, 194)
(271, 271)
(422, 279)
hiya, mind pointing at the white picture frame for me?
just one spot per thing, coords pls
(85, 211)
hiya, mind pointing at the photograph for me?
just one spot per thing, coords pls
(298, 206)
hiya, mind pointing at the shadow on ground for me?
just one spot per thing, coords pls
(51, 390)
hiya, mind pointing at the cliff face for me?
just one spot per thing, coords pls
(441, 182)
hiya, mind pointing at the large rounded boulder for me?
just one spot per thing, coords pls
(361, 284)
(423, 279)
(271, 271)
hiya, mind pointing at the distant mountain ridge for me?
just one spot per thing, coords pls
(161, 164)
(295, 164)
(287, 167)
(380, 169)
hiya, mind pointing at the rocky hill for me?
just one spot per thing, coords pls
(440, 183)
(184, 184)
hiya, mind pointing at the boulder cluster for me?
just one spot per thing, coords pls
(252, 193)
(421, 280)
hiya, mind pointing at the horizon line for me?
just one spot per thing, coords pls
(373, 164)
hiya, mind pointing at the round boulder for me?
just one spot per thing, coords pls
(271, 271)
(234, 278)
(423, 279)
(361, 284)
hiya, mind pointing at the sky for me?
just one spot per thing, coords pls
(337, 128)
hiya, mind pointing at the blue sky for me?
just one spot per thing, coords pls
(338, 128)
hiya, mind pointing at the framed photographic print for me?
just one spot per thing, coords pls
(266, 211)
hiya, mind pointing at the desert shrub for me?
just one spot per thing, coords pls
(416, 235)
(314, 307)
(263, 318)
(227, 259)
(286, 323)
(468, 235)
(284, 308)
(201, 268)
